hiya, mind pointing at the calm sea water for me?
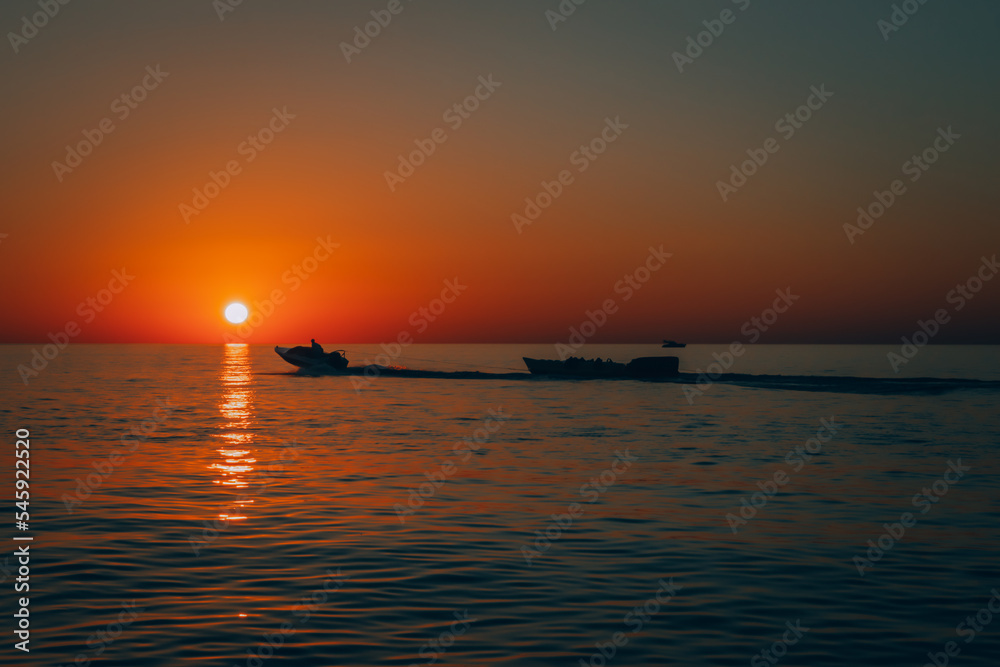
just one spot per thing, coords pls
(204, 505)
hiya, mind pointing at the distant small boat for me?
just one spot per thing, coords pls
(644, 367)
(306, 357)
(673, 343)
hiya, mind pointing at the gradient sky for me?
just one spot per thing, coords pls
(324, 175)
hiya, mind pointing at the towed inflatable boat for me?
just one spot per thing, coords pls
(641, 367)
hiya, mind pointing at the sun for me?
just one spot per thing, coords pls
(236, 313)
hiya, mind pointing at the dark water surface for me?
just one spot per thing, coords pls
(267, 518)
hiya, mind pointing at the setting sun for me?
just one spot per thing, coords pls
(236, 313)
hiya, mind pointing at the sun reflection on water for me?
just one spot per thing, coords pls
(235, 464)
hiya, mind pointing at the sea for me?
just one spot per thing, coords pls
(207, 505)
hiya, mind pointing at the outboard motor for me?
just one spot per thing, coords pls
(337, 359)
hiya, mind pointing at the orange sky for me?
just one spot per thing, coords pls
(324, 174)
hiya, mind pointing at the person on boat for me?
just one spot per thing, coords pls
(317, 349)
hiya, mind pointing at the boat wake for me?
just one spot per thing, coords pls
(815, 383)
(846, 384)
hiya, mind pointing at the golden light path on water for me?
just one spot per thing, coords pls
(236, 407)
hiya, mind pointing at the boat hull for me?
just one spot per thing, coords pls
(575, 368)
(654, 367)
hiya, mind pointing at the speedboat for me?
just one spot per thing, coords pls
(310, 359)
(641, 367)
(673, 343)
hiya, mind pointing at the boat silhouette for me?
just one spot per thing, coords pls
(312, 358)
